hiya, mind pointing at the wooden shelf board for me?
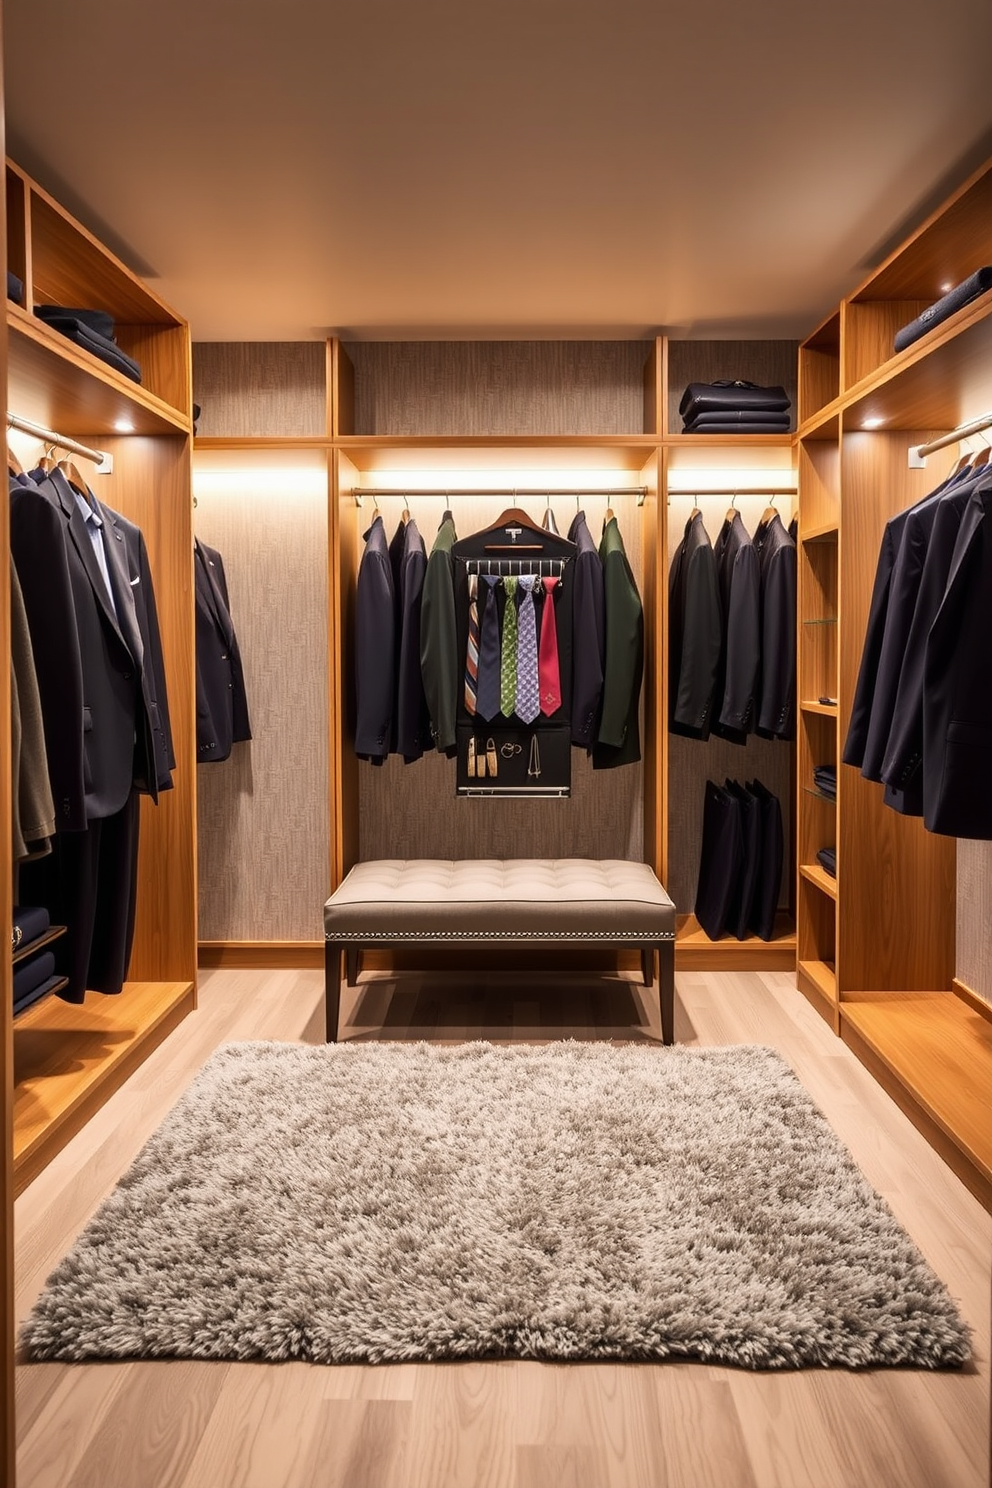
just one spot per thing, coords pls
(825, 710)
(54, 932)
(723, 441)
(821, 976)
(694, 951)
(261, 953)
(824, 423)
(938, 1051)
(819, 534)
(820, 877)
(57, 384)
(925, 386)
(69, 1058)
(261, 441)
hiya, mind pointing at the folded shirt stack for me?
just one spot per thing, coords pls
(35, 975)
(736, 407)
(827, 859)
(825, 780)
(30, 922)
(976, 284)
(94, 331)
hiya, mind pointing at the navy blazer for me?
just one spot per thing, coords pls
(375, 647)
(777, 560)
(694, 632)
(588, 635)
(411, 717)
(221, 701)
(738, 581)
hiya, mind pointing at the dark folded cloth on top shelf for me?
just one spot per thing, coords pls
(30, 921)
(976, 284)
(743, 419)
(825, 780)
(725, 394)
(80, 326)
(32, 974)
(827, 859)
(15, 288)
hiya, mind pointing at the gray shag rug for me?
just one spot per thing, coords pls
(573, 1201)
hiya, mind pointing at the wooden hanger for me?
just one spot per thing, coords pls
(13, 463)
(770, 512)
(72, 475)
(982, 458)
(732, 511)
(514, 517)
(47, 461)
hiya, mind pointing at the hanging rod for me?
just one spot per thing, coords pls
(918, 452)
(732, 491)
(374, 492)
(102, 459)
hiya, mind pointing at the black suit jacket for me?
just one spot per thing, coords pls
(411, 718)
(694, 633)
(375, 647)
(221, 700)
(777, 561)
(957, 707)
(115, 724)
(588, 635)
(740, 643)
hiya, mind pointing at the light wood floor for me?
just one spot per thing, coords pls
(508, 1425)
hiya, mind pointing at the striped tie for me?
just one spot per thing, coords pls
(508, 659)
(472, 651)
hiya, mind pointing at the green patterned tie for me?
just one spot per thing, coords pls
(508, 655)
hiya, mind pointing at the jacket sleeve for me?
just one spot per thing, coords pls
(375, 645)
(700, 644)
(439, 649)
(588, 647)
(624, 649)
(778, 647)
(743, 643)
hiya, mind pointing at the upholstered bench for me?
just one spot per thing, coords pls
(506, 901)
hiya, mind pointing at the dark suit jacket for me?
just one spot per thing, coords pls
(588, 635)
(115, 724)
(740, 641)
(221, 701)
(411, 718)
(375, 647)
(957, 710)
(904, 751)
(440, 662)
(777, 560)
(694, 633)
(619, 741)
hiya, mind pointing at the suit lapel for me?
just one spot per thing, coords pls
(84, 548)
(210, 590)
(115, 550)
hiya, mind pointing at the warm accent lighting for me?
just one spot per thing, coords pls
(946, 288)
(872, 423)
(124, 426)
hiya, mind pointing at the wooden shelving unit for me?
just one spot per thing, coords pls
(876, 945)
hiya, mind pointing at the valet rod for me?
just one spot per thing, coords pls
(918, 452)
(101, 458)
(374, 493)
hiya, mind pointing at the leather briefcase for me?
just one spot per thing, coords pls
(727, 396)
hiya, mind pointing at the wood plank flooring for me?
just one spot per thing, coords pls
(508, 1424)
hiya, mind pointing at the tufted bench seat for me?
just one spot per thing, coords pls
(500, 901)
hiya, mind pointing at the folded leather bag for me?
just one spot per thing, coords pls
(969, 289)
(724, 396)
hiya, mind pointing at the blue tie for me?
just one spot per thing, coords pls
(487, 694)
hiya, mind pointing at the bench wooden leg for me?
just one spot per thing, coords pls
(647, 965)
(666, 990)
(351, 956)
(332, 989)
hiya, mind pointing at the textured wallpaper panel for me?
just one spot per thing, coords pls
(260, 387)
(411, 811)
(974, 917)
(692, 762)
(263, 814)
(499, 387)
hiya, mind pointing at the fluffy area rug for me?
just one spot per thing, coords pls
(571, 1201)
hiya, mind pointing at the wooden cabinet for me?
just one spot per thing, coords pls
(66, 1059)
(876, 946)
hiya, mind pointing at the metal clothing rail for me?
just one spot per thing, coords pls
(732, 491)
(102, 459)
(374, 492)
(918, 452)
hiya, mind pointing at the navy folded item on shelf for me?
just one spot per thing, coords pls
(100, 321)
(976, 284)
(726, 395)
(15, 288)
(744, 430)
(30, 921)
(827, 859)
(33, 973)
(825, 780)
(742, 418)
(77, 330)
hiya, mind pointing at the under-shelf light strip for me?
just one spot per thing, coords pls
(102, 459)
(376, 493)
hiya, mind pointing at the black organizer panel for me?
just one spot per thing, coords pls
(512, 745)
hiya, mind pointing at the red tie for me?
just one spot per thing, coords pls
(547, 659)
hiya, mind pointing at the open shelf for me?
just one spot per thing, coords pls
(694, 951)
(933, 1053)
(820, 877)
(69, 1057)
(825, 710)
(818, 979)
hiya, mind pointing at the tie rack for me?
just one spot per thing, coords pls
(552, 568)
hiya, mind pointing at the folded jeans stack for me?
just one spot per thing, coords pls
(734, 407)
(93, 330)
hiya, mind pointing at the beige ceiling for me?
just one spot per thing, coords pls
(390, 168)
